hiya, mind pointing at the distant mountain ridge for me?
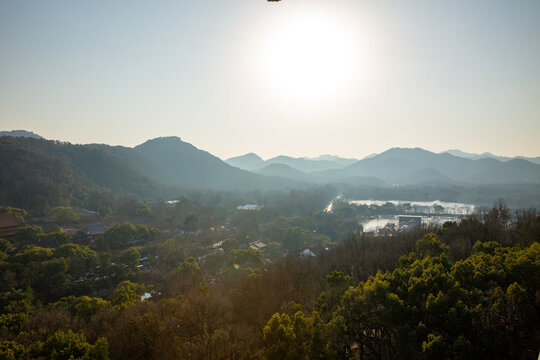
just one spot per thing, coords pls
(253, 162)
(415, 166)
(333, 158)
(486, 155)
(403, 166)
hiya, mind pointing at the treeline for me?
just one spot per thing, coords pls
(515, 195)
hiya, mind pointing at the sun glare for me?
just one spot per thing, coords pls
(309, 57)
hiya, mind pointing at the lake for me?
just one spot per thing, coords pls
(429, 210)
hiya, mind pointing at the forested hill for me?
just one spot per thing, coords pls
(37, 171)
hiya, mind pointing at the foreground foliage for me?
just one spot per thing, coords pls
(466, 290)
(484, 306)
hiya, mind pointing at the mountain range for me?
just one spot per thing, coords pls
(488, 155)
(35, 168)
(404, 166)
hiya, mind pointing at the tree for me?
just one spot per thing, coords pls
(105, 209)
(16, 301)
(337, 283)
(128, 293)
(69, 346)
(5, 245)
(11, 350)
(191, 223)
(131, 257)
(274, 250)
(279, 338)
(321, 240)
(430, 245)
(59, 237)
(121, 235)
(47, 278)
(84, 307)
(29, 233)
(295, 238)
(143, 209)
(287, 339)
(118, 235)
(170, 253)
(65, 215)
(230, 244)
(75, 251)
(15, 307)
(247, 257)
(438, 208)
(189, 268)
(30, 253)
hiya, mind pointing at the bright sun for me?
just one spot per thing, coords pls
(309, 57)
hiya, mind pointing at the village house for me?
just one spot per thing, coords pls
(9, 224)
(257, 245)
(90, 233)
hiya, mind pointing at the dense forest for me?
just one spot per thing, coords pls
(188, 280)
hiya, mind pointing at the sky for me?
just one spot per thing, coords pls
(295, 77)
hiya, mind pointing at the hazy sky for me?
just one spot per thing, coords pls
(296, 77)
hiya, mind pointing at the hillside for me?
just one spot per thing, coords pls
(511, 171)
(38, 172)
(178, 163)
(63, 173)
